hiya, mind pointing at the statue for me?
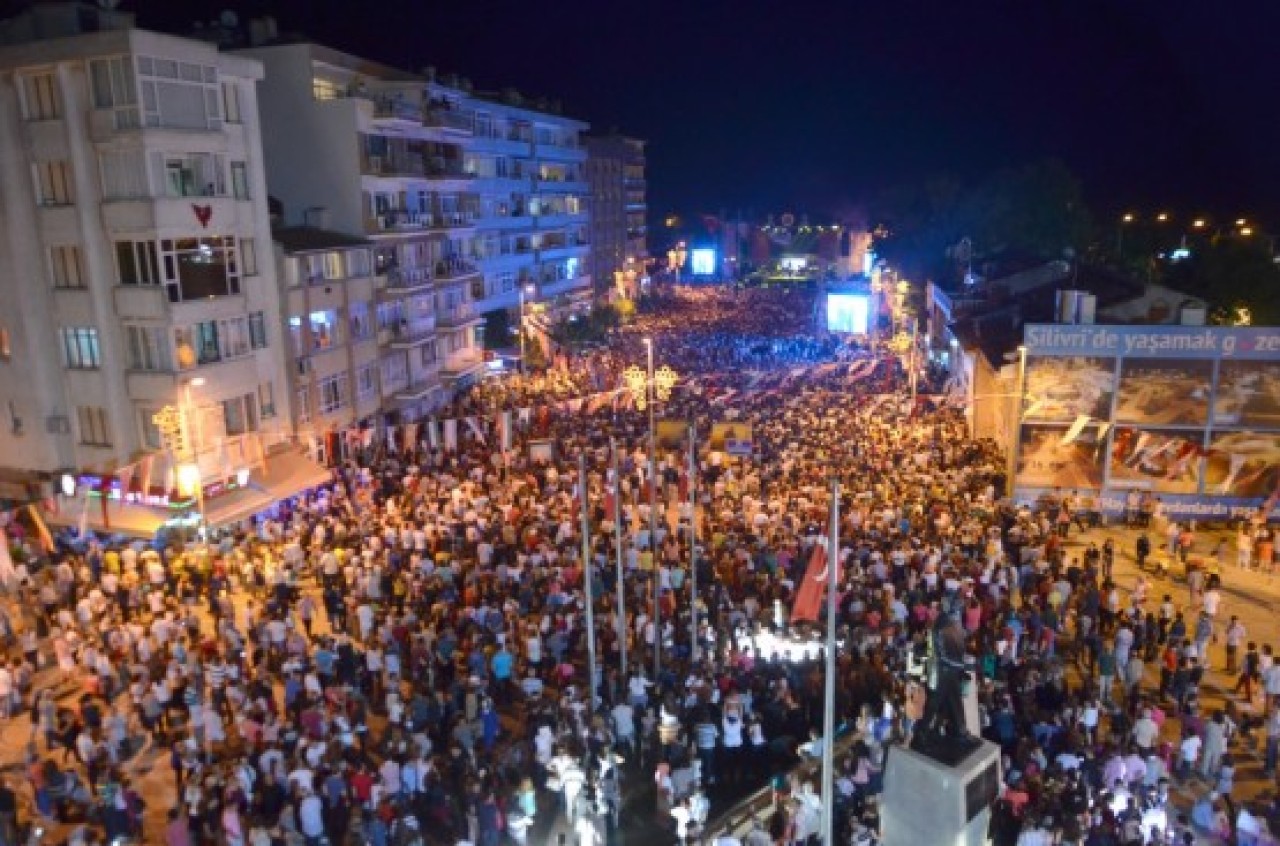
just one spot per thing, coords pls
(942, 732)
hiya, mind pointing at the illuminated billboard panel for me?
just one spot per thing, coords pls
(848, 313)
(703, 262)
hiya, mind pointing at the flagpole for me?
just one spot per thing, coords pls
(586, 576)
(653, 520)
(829, 694)
(617, 542)
(693, 547)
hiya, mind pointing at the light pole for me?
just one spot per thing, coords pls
(586, 583)
(193, 476)
(617, 542)
(1128, 218)
(693, 541)
(647, 387)
(1015, 421)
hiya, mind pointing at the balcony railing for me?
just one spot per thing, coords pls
(397, 108)
(457, 315)
(447, 119)
(416, 388)
(454, 268)
(447, 170)
(408, 333)
(403, 219)
(407, 278)
(449, 220)
(394, 165)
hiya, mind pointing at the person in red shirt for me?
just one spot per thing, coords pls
(362, 785)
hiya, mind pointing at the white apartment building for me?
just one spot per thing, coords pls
(138, 269)
(467, 201)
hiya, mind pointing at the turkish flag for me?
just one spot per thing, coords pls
(809, 596)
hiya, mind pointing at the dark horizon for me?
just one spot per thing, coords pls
(1156, 106)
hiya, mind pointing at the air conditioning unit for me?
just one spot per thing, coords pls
(57, 424)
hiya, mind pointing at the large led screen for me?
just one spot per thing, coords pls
(848, 313)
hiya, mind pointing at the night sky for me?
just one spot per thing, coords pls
(815, 106)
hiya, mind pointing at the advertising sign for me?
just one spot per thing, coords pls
(731, 438)
(1189, 414)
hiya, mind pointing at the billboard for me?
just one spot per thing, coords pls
(1189, 414)
(848, 313)
(703, 261)
(731, 438)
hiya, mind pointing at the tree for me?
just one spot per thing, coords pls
(1231, 273)
(1037, 208)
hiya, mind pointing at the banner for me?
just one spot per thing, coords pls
(410, 438)
(473, 426)
(433, 433)
(451, 434)
(505, 431)
(731, 438)
(812, 589)
(1076, 428)
(670, 434)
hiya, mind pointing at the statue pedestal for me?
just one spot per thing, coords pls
(942, 799)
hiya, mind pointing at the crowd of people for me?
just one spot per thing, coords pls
(402, 657)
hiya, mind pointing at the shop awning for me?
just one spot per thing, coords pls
(288, 473)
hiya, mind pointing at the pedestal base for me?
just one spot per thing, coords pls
(941, 803)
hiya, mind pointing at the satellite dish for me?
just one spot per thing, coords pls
(229, 19)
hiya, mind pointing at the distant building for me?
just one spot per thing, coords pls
(468, 200)
(619, 245)
(138, 270)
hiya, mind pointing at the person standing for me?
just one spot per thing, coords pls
(1235, 636)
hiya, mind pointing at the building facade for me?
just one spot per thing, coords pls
(138, 269)
(474, 205)
(619, 249)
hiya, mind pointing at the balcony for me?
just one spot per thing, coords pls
(407, 280)
(106, 124)
(572, 185)
(397, 220)
(449, 120)
(554, 252)
(397, 109)
(459, 315)
(393, 166)
(454, 268)
(564, 286)
(405, 335)
(416, 389)
(454, 220)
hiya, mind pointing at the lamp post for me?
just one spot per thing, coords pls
(1128, 218)
(617, 543)
(1015, 415)
(647, 387)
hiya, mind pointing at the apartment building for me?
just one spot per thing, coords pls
(138, 270)
(469, 201)
(616, 174)
(330, 301)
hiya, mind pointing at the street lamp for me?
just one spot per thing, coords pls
(525, 288)
(189, 414)
(647, 388)
(1128, 218)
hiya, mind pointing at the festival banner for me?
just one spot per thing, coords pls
(505, 431)
(451, 434)
(433, 433)
(410, 438)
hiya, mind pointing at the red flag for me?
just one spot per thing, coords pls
(809, 596)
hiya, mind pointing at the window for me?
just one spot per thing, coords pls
(148, 348)
(39, 92)
(148, 429)
(240, 180)
(248, 257)
(114, 87)
(233, 337)
(395, 372)
(333, 393)
(360, 325)
(137, 263)
(179, 94)
(366, 382)
(124, 174)
(267, 400)
(297, 342)
(257, 331)
(197, 344)
(326, 329)
(65, 267)
(53, 183)
(327, 89)
(190, 174)
(93, 425)
(240, 414)
(231, 103)
(304, 404)
(196, 268)
(80, 347)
